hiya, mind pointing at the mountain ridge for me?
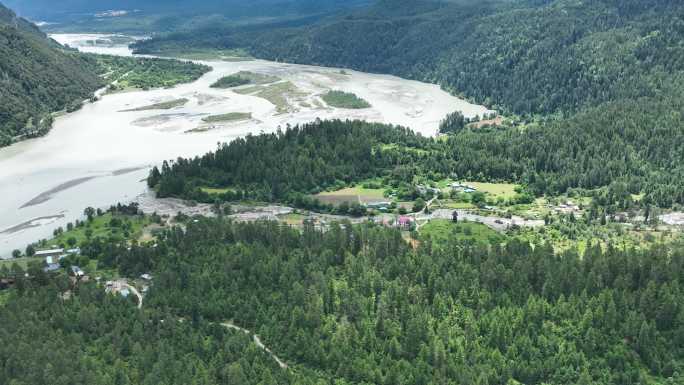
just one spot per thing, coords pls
(39, 77)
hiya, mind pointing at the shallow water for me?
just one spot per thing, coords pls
(100, 155)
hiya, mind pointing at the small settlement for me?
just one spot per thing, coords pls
(53, 257)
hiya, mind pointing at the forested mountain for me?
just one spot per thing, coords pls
(75, 9)
(600, 80)
(38, 77)
(353, 305)
(516, 56)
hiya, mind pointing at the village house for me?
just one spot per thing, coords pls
(7, 283)
(77, 272)
(52, 260)
(567, 208)
(459, 187)
(49, 253)
(423, 190)
(52, 257)
(125, 292)
(382, 206)
(51, 267)
(404, 223)
(118, 287)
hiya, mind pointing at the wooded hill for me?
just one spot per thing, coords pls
(353, 305)
(40, 77)
(37, 77)
(289, 165)
(525, 57)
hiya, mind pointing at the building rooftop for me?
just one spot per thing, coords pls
(48, 252)
(51, 267)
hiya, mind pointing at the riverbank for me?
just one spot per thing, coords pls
(89, 145)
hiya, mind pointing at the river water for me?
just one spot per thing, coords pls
(100, 155)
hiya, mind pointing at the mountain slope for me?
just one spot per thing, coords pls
(525, 57)
(38, 77)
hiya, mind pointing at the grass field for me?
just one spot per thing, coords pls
(216, 191)
(340, 99)
(293, 219)
(537, 209)
(229, 117)
(495, 190)
(504, 190)
(394, 146)
(104, 227)
(442, 230)
(4, 297)
(449, 204)
(352, 194)
(23, 262)
(209, 54)
(277, 93)
(161, 106)
(243, 78)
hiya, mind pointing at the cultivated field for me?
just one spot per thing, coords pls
(352, 194)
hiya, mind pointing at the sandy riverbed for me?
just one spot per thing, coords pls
(76, 165)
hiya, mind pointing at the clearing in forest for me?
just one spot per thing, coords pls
(441, 230)
(352, 194)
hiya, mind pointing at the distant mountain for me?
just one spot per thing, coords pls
(7, 16)
(37, 77)
(47, 9)
(521, 56)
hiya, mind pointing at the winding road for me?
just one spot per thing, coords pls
(137, 294)
(258, 343)
(228, 325)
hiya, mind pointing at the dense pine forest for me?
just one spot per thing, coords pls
(289, 163)
(617, 152)
(97, 339)
(353, 305)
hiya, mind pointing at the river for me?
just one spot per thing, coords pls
(100, 155)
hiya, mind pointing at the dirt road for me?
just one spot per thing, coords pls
(258, 343)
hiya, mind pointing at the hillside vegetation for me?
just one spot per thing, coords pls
(523, 56)
(322, 155)
(146, 73)
(38, 77)
(596, 86)
(352, 305)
